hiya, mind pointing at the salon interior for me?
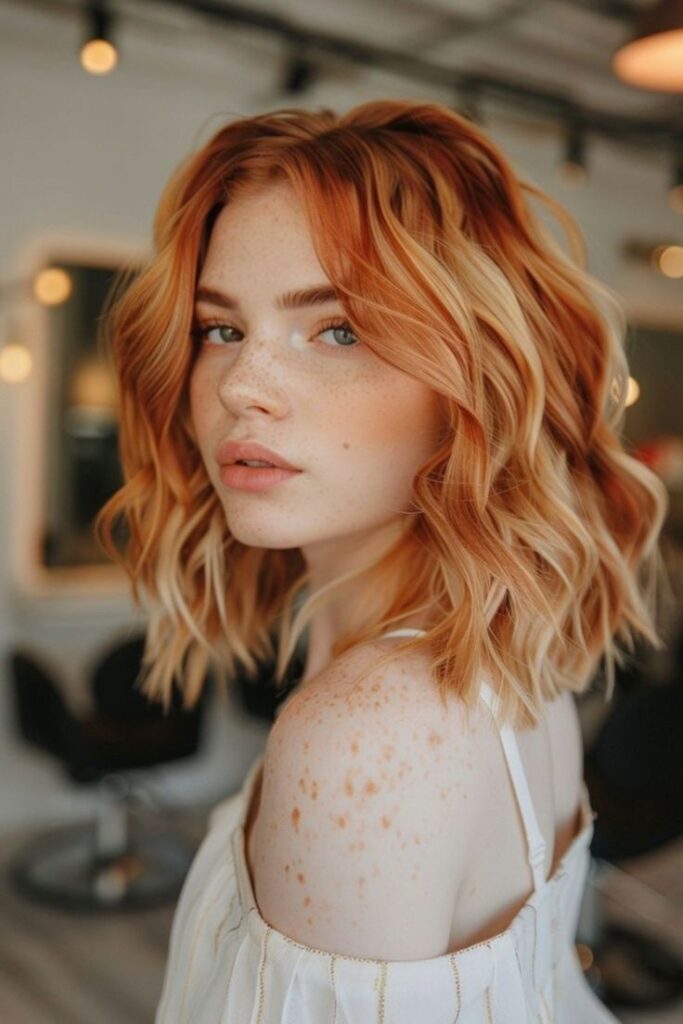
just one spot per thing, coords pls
(103, 799)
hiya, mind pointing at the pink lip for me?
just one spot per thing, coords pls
(231, 451)
(248, 478)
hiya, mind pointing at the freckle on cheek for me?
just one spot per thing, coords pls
(300, 878)
(296, 816)
(341, 821)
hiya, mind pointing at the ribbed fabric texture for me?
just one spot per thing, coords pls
(227, 965)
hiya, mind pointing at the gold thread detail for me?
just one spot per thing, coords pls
(372, 960)
(223, 922)
(382, 991)
(232, 968)
(333, 963)
(193, 950)
(489, 1011)
(458, 992)
(261, 971)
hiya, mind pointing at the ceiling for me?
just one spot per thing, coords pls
(541, 56)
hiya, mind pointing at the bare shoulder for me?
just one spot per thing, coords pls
(362, 819)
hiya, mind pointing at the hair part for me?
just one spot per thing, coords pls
(532, 533)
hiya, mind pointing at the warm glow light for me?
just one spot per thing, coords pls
(670, 261)
(632, 392)
(16, 363)
(99, 57)
(52, 286)
(676, 198)
(652, 62)
(93, 385)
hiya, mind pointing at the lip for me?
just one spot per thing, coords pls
(229, 452)
(243, 478)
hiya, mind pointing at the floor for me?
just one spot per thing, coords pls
(65, 968)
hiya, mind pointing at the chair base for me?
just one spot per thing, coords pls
(63, 869)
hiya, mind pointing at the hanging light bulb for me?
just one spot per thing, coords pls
(670, 260)
(653, 58)
(573, 168)
(98, 54)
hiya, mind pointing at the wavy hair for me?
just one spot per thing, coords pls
(532, 535)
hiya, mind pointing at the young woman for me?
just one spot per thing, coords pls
(369, 304)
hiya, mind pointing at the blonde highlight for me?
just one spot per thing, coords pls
(532, 534)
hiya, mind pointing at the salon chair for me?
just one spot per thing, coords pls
(634, 774)
(115, 863)
(258, 696)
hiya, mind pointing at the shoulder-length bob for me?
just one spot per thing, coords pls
(533, 534)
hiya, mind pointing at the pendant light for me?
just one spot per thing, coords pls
(653, 57)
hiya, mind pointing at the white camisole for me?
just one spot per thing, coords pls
(227, 965)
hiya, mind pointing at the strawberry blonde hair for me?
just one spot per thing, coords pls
(532, 534)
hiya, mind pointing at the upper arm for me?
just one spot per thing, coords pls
(360, 829)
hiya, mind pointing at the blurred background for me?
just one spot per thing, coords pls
(103, 800)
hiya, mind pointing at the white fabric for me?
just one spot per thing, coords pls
(227, 965)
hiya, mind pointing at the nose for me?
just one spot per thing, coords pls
(253, 380)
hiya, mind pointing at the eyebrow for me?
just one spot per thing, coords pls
(315, 296)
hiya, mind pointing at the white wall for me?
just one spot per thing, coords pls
(83, 163)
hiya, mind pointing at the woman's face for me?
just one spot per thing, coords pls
(357, 427)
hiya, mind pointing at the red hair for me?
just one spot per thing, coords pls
(533, 533)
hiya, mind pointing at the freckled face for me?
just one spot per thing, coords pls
(358, 427)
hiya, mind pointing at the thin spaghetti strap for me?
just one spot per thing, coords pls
(534, 836)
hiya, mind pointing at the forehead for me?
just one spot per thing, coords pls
(260, 243)
(264, 217)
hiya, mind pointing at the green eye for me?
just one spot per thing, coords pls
(345, 336)
(203, 333)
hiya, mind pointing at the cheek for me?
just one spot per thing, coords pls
(408, 417)
(200, 405)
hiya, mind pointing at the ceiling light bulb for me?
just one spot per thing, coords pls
(671, 261)
(99, 57)
(52, 286)
(653, 58)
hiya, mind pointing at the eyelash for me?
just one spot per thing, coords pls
(201, 331)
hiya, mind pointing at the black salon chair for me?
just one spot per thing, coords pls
(634, 774)
(108, 865)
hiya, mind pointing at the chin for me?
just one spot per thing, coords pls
(252, 536)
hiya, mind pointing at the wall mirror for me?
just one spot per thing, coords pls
(81, 464)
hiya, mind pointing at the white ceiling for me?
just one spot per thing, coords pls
(552, 45)
(560, 44)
